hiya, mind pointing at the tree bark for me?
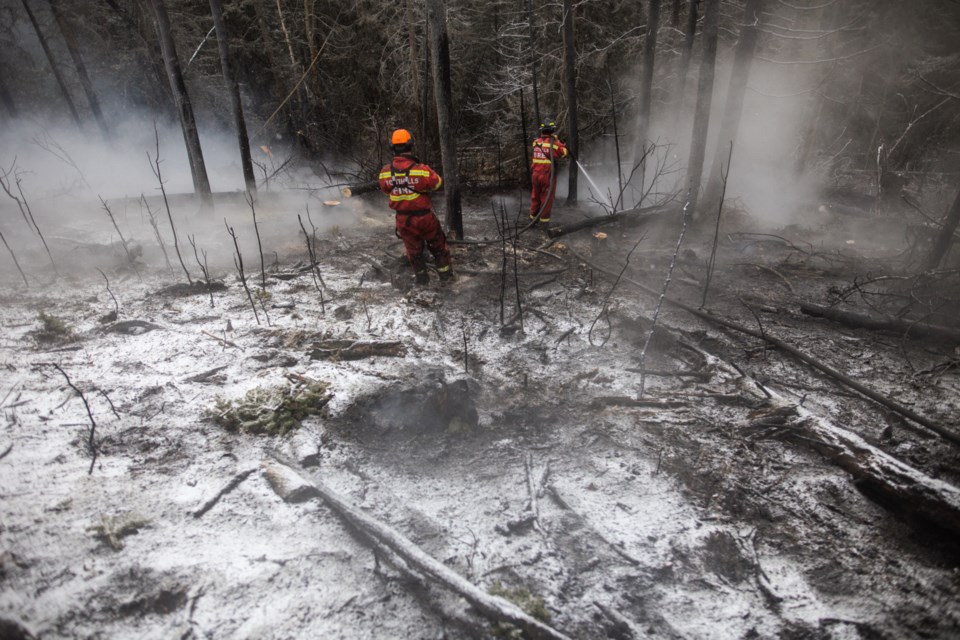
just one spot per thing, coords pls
(730, 122)
(675, 14)
(686, 53)
(945, 240)
(533, 61)
(233, 89)
(53, 64)
(6, 98)
(191, 137)
(701, 118)
(440, 56)
(893, 325)
(570, 80)
(646, 78)
(66, 30)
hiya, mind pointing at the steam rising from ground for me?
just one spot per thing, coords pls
(64, 171)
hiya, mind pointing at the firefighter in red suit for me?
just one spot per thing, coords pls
(547, 150)
(407, 182)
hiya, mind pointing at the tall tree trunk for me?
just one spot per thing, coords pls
(945, 240)
(6, 98)
(280, 84)
(443, 92)
(191, 137)
(419, 140)
(233, 89)
(53, 64)
(534, 59)
(153, 56)
(701, 118)
(66, 30)
(730, 123)
(675, 13)
(570, 80)
(686, 53)
(646, 78)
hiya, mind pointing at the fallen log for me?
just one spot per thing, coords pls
(355, 350)
(292, 487)
(894, 325)
(879, 474)
(864, 390)
(634, 215)
(625, 401)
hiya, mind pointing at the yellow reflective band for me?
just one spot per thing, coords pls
(442, 269)
(542, 220)
(420, 172)
(384, 175)
(539, 161)
(439, 183)
(404, 197)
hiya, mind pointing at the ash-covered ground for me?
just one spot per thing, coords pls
(514, 445)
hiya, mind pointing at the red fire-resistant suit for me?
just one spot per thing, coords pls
(407, 182)
(547, 149)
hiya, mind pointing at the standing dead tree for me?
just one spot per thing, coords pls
(570, 86)
(155, 167)
(701, 118)
(711, 263)
(233, 89)
(646, 77)
(69, 37)
(443, 93)
(123, 241)
(15, 261)
(91, 440)
(238, 263)
(23, 205)
(178, 87)
(54, 67)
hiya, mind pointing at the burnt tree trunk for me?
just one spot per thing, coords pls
(701, 118)
(153, 56)
(279, 77)
(233, 89)
(6, 98)
(945, 239)
(66, 30)
(191, 137)
(730, 122)
(53, 63)
(533, 61)
(646, 78)
(570, 80)
(686, 53)
(675, 14)
(440, 56)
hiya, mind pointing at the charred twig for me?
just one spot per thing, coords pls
(203, 266)
(116, 305)
(466, 356)
(314, 271)
(604, 311)
(156, 230)
(224, 341)
(106, 397)
(123, 240)
(91, 441)
(230, 486)
(769, 269)
(15, 261)
(256, 229)
(238, 263)
(155, 167)
(6, 451)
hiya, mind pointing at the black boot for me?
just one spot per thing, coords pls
(422, 277)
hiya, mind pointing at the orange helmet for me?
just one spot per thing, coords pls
(401, 137)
